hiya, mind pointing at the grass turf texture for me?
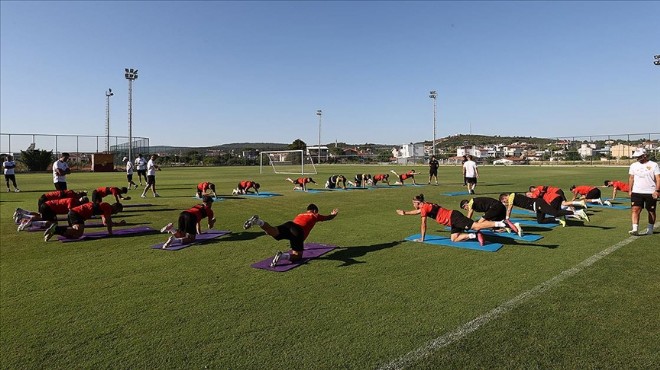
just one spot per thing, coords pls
(118, 303)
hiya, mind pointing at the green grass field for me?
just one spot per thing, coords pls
(117, 303)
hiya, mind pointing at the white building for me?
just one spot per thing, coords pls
(413, 152)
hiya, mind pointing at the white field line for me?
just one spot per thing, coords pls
(467, 328)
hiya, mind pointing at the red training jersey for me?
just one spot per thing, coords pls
(62, 206)
(105, 191)
(203, 186)
(583, 190)
(307, 221)
(441, 215)
(407, 175)
(302, 180)
(59, 194)
(201, 211)
(380, 177)
(246, 184)
(622, 186)
(87, 210)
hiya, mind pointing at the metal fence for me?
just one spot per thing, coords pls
(81, 147)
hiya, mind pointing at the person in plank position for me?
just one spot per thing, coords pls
(336, 181)
(78, 215)
(295, 231)
(458, 223)
(99, 193)
(404, 176)
(48, 212)
(244, 187)
(190, 223)
(616, 186)
(381, 177)
(205, 187)
(301, 183)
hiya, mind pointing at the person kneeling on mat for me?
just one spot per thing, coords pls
(78, 215)
(295, 231)
(190, 223)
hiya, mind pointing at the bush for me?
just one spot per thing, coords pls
(37, 159)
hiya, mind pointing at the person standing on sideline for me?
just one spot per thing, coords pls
(190, 223)
(60, 170)
(462, 163)
(644, 182)
(470, 173)
(433, 169)
(8, 166)
(152, 167)
(141, 166)
(295, 231)
(129, 173)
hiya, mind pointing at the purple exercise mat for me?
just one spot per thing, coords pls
(177, 245)
(104, 234)
(311, 251)
(42, 229)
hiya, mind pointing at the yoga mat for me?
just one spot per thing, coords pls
(207, 235)
(263, 194)
(104, 234)
(613, 206)
(468, 244)
(525, 237)
(524, 223)
(311, 191)
(527, 212)
(455, 193)
(42, 229)
(311, 251)
(216, 199)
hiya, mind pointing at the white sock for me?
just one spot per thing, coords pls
(472, 236)
(259, 222)
(500, 224)
(635, 227)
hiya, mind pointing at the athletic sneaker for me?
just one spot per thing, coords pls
(24, 224)
(582, 214)
(608, 203)
(562, 222)
(143, 196)
(167, 228)
(480, 238)
(169, 242)
(18, 212)
(649, 231)
(8, 190)
(583, 204)
(276, 259)
(156, 195)
(634, 232)
(599, 201)
(248, 224)
(49, 232)
(17, 190)
(514, 227)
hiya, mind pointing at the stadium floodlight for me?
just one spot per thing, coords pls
(108, 94)
(131, 75)
(433, 95)
(657, 60)
(320, 114)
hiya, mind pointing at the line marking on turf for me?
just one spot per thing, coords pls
(467, 328)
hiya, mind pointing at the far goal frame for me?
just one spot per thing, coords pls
(306, 166)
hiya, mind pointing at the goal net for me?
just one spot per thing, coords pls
(292, 162)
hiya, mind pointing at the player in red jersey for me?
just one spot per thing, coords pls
(404, 176)
(616, 186)
(190, 223)
(78, 215)
(99, 193)
(456, 220)
(204, 187)
(244, 187)
(590, 194)
(301, 183)
(48, 212)
(381, 177)
(295, 231)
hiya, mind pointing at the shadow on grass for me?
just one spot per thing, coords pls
(243, 235)
(137, 205)
(513, 242)
(145, 210)
(347, 255)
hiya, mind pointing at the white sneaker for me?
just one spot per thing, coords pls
(633, 232)
(599, 201)
(582, 214)
(17, 213)
(649, 231)
(562, 222)
(167, 228)
(143, 196)
(24, 224)
(169, 242)
(583, 204)
(276, 259)
(251, 221)
(17, 190)
(607, 203)
(49, 232)
(520, 230)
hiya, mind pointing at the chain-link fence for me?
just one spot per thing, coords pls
(80, 147)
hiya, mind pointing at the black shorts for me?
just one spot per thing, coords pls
(47, 213)
(459, 223)
(293, 233)
(644, 201)
(142, 173)
(433, 172)
(11, 178)
(496, 212)
(75, 219)
(593, 194)
(187, 223)
(96, 198)
(60, 185)
(471, 180)
(151, 180)
(129, 177)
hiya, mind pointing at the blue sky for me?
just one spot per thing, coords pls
(216, 72)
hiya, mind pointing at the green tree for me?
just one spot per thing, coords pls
(298, 145)
(37, 159)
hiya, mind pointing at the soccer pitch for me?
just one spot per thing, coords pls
(584, 296)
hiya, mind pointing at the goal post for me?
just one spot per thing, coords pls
(287, 162)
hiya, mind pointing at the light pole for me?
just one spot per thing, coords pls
(108, 94)
(433, 95)
(131, 75)
(657, 60)
(320, 114)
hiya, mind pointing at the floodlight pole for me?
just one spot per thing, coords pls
(320, 114)
(433, 95)
(657, 60)
(131, 75)
(108, 94)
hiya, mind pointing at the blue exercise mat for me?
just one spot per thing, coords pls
(263, 194)
(524, 223)
(311, 191)
(525, 237)
(455, 193)
(613, 206)
(216, 199)
(517, 211)
(445, 241)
